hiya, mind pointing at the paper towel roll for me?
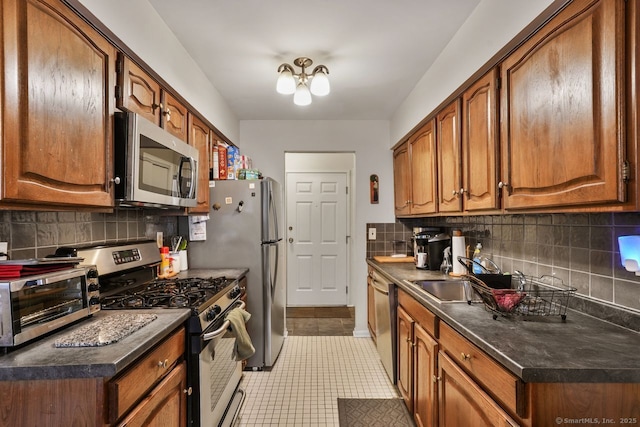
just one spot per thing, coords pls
(458, 249)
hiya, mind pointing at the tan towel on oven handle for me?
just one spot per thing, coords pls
(243, 347)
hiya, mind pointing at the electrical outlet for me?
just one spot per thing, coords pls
(160, 239)
(372, 234)
(4, 247)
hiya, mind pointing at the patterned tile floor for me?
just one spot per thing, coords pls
(311, 373)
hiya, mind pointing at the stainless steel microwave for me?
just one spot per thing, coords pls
(152, 167)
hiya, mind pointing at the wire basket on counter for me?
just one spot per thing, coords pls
(533, 296)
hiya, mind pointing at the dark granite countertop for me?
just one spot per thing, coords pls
(43, 360)
(543, 349)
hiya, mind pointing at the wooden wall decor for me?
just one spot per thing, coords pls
(373, 184)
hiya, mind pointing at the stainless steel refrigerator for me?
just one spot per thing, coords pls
(245, 229)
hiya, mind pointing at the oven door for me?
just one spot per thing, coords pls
(219, 375)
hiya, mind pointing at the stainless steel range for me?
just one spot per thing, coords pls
(128, 280)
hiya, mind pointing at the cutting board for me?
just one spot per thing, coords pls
(380, 258)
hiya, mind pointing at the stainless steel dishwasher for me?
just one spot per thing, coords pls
(384, 301)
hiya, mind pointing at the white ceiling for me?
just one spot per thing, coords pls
(376, 50)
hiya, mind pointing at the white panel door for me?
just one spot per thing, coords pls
(316, 239)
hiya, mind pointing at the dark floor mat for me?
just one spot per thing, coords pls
(373, 413)
(320, 312)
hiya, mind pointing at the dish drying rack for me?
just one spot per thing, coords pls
(534, 296)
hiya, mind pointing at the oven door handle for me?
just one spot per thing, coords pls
(222, 329)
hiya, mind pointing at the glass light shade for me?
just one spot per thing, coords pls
(302, 95)
(630, 253)
(286, 84)
(320, 84)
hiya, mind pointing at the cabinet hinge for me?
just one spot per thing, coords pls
(626, 171)
(118, 92)
(119, 65)
(498, 83)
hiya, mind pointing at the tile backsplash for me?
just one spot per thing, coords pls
(581, 249)
(38, 234)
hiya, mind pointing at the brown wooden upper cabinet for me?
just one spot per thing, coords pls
(57, 107)
(480, 146)
(468, 149)
(414, 171)
(449, 158)
(140, 93)
(562, 107)
(200, 137)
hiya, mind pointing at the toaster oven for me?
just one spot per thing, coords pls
(33, 306)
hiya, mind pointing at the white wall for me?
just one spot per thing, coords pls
(138, 25)
(491, 26)
(267, 141)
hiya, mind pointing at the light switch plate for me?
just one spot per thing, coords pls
(372, 233)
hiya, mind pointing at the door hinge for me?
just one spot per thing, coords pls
(346, 190)
(626, 171)
(347, 290)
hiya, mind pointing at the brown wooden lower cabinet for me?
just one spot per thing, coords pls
(417, 352)
(165, 405)
(151, 392)
(471, 388)
(462, 402)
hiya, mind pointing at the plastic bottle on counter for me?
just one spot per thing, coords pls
(477, 269)
(165, 263)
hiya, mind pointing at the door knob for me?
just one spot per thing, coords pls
(290, 239)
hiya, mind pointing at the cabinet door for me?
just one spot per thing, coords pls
(425, 385)
(57, 107)
(562, 109)
(166, 404)
(405, 358)
(200, 137)
(461, 402)
(480, 144)
(174, 117)
(449, 158)
(422, 155)
(402, 180)
(137, 91)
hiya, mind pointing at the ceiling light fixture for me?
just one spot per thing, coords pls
(302, 85)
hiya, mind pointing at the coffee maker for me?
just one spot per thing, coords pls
(421, 237)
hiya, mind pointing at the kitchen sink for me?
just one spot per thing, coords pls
(446, 290)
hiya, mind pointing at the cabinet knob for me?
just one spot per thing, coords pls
(188, 391)
(503, 184)
(462, 191)
(167, 114)
(454, 193)
(435, 379)
(154, 106)
(116, 180)
(163, 364)
(464, 356)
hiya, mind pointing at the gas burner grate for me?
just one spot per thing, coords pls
(168, 293)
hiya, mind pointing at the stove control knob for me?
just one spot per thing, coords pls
(234, 292)
(92, 273)
(213, 312)
(94, 301)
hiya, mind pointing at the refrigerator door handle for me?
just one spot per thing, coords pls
(274, 212)
(275, 274)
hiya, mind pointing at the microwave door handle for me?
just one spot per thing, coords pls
(192, 188)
